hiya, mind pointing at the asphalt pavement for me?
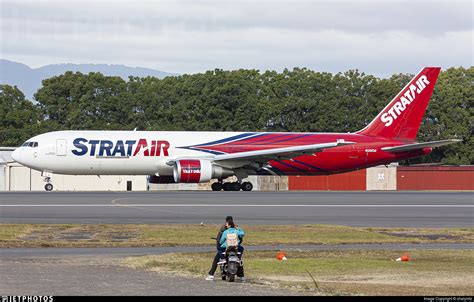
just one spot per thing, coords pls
(103, 275)
(378, 209)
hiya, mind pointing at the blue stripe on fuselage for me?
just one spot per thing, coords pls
(311, 166)
(232, 138)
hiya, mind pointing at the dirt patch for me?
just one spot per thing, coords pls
(430, 272)
(412, 278)
(120, 238)
(395, 290)
(77, 234)
(423, 236)
(383, 284)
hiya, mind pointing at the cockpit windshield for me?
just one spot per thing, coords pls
(30, 144)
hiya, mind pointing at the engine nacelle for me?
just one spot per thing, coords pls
(198, 170)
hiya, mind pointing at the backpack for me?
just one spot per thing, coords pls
(232, 239)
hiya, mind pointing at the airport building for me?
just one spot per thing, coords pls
(16, 177)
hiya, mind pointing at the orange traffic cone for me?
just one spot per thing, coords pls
(281, 256)
(404, 257)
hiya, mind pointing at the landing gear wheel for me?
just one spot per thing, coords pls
(246, 186)
(48, 187)
(235, 186)
(217, 186)
(227, 186)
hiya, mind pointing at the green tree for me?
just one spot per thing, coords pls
(78, 101)
(299, 100)
(450, 114)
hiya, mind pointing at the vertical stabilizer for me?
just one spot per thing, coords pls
(401, 118)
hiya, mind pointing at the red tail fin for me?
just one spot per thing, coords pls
(401, 118)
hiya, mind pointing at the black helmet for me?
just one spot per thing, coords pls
(229, 218)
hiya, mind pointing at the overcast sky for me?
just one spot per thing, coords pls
(377, 37)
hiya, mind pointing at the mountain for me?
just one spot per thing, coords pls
(28, 80)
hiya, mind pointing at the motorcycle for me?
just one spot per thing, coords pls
(232, 265)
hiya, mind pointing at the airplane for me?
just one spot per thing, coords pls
(197, 157)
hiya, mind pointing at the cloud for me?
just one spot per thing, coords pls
(379, 37)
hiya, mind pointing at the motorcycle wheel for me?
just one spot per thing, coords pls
(231, 278)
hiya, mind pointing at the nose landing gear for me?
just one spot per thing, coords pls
(48, 187)
(47, 178)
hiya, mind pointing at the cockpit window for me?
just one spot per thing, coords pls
(30, 144)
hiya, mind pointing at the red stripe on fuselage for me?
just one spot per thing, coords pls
(332, 160)
(274, 141)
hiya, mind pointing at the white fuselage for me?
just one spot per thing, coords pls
(95, 155)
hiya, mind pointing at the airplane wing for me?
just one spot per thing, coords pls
(416, 146)
(264, 156)
(7, 148)
(7, 157)
(279, 153)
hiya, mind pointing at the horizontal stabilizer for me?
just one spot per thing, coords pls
(417, 146)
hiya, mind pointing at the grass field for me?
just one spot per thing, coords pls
(109, 235)
(429, 272)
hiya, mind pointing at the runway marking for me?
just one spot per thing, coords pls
(248, 205)
(137, 206)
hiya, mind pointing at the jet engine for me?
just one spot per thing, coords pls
(198, 170)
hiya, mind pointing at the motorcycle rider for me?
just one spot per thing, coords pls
(210, 275)
(232, 229)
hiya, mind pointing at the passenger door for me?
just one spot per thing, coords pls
(61, 147)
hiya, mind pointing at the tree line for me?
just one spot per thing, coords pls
(240, 100)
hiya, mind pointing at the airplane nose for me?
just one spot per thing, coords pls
(16, 155)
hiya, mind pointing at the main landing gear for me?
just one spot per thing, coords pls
(232, 186)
